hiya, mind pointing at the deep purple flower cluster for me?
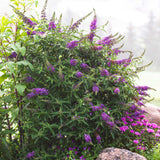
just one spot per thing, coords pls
(72, 44)
(97, 108)
(50, 68)
(117, 90)
(51, 25)
(98, 138)
(28, 21)
(123, 128)
(95, 88)
(30, 154)
(143, 88)
(84, 66)
(104, 73)
(105, 41)
(115, 51)
(29, 79)
(91, 36)
(73, 62)
(30, 33)
(93, 25)
(37, 91)
(97, 48)
(125, 62)
(79, 74)
(105, 117)
(87, 138)
(13, 55)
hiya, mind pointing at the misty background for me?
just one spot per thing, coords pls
(138, 21)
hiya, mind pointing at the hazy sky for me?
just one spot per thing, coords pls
(119, 12)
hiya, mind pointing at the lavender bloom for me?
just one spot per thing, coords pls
(95, 89)
(28, 21)
(143, 88)
(105, 41)
(96, 108)
(117, 90)
(84, 66)
(31, 154)
(51, 26)
(91, 36)
(79, 74)
(105, 117)
(98, 138)
(111, 124)
(59, 135)
(76, 86)
(87, 138)
(104, 72)
(29, 79)
(72, 44)
(51, 68)
(93, 24)
(13, 55)
(37, 91)
(98, 47)
(73, 62)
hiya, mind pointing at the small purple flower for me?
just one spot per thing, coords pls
(96, 108)
(13, 55)
(93, 25)
(98, 138)
(73, 62)
(59, 135)
(105, 117)
(95, 89)
(29, 79)
(111, 124)
(84, 66)
(31, 154)
(98, 47)
(91, 36)
(51, 68)
(104, 72)
(117, 90)
(51, 26)
(79, 74)
(72, 44)
(87, 138)
(37, 91)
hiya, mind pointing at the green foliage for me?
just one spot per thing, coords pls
(60, 85)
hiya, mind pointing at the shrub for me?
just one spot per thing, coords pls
(64, 93)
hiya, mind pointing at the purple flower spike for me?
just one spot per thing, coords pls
(87, 138)
(105, 117)
(72, 44)
(29, 79)
(84, 66)
(91, 36)
(37, 91)
(93, 25)
(13, 55)
(51, 26)
(104, 72)
(117, 90)
(73, 62)
(98, 138)
(51, 68)
(30, 154)
(79, 74)
(95, 89)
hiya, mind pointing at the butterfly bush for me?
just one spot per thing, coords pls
(65, 94)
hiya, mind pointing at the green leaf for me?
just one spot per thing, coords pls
(17, 48)
(36, 3)
(20, 88)
(3, 78)
(25, 63)
(11, 66)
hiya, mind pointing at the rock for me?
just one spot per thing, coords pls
(152, 113)
(119, 154)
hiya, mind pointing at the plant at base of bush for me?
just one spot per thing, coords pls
(64, 93)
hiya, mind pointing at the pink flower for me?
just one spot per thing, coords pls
(135, 141)
(137, 133)
(117, 90)
(150, 130)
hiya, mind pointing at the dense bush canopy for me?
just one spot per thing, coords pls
(64, 92)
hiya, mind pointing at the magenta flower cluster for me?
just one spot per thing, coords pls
(30, 154)
(72, 44)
